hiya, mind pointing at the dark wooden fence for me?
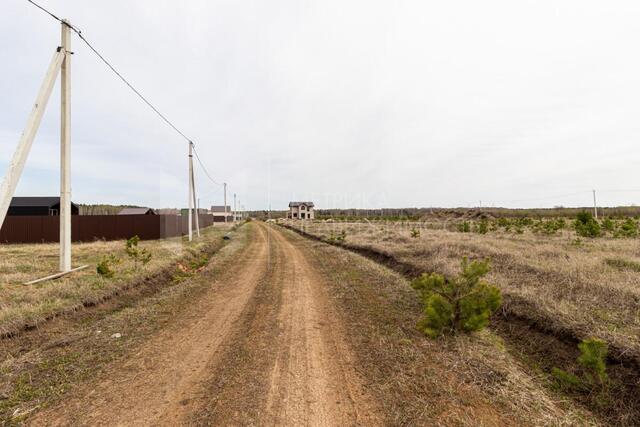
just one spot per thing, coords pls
(42, 229)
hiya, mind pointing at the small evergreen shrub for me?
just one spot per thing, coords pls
(608, 225)
(463, 303)
(105, 267)
(136, 253)
(593, 358)
(482, 227)
(628, 228)
(415, 233)
(503, 222)
(593, 364)
(464, 227)
(524, 222)
(586, 226)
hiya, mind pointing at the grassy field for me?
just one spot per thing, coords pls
(555, 285)
(38, 367)
(590, 287)
(464, 380)
(27, 305)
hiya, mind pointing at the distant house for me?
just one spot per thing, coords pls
(218, 213)
(137, 211)
(38, 206)
(301, 210)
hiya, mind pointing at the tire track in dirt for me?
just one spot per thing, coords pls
(162, 382)
(264, 346)
(289, 364)
(313, 381)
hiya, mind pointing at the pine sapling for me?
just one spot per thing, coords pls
(463, 303)
(136, 253)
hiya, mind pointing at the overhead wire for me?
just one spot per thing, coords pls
(126, 82)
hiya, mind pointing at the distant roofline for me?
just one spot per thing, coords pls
(31, 201)
(296, 204)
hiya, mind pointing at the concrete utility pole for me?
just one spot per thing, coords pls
(190, 219)
(225, 202)
(595, 206)
(16, 166)
(65, 152)
(193, 186)
(234, 207)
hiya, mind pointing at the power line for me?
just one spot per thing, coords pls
(203, 168)
(112, 68)
(126, 82)
(45, 10)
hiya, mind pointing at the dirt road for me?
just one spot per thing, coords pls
(264, 346)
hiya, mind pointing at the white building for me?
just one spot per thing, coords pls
(301, 210)
(218, 213)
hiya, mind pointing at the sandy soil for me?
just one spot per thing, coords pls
(264, 342)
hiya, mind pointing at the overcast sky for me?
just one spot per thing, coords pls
(349, 103)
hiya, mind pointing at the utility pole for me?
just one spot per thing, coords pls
(595, 206)
(225, 202)
(190, 219)
(65, 151)
(234, 207)
(16, 166)
(193, 189)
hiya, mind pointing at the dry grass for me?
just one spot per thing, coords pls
(464, 380)
(27, 305)
(548, 279)
(38, 367)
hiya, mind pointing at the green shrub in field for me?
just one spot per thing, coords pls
(524, 222)
(593, 358)
(608, 225)
(462, 303)
(593, 363)
(136, 253)
(464, 227)
(551, 226)
(482, 227)
(415, 233)
(503, 222)
(105, 267)
(628, 228)
(585, 225)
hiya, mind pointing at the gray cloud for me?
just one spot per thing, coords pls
(358, 103)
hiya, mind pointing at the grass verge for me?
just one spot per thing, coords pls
(27, 306)
(539, 341)
(459, 380)
(40, 365)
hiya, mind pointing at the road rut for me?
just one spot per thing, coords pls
(264, 346)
